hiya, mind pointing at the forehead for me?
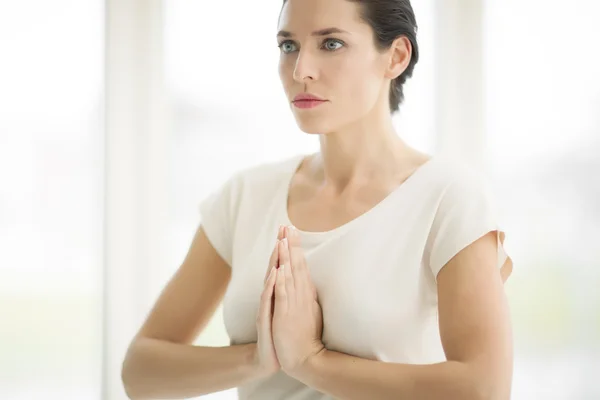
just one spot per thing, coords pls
(308, 15)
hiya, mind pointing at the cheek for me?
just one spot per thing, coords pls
(358, 82)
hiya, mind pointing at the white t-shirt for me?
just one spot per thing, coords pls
(375, 275)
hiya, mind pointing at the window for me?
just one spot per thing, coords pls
(543, 97)
(51, 153)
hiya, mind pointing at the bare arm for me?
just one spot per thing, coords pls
(161, 362)
(159, 369)
(475, 332)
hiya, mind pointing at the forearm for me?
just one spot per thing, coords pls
(155, 369)
(347, 378)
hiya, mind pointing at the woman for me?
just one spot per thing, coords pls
(391, 284)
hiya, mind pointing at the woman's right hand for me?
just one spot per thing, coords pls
(265, 356)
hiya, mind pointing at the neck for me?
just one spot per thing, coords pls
(366, 150)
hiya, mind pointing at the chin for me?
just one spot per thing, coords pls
(314, 125)
(312, 130)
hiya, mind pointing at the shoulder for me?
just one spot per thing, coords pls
(458, 195)
(260, 181)
(267, 174)
(465, 211)
(454, 180)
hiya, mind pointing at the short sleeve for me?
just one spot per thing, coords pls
(466, 212)
(217, 213)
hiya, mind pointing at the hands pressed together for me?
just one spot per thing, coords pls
(289, 322)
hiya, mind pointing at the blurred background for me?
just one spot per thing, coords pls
(118, 117)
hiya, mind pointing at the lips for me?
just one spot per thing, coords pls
(307, 97)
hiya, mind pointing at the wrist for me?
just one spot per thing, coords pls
(253, 361)
(308, 368)
(259, 370)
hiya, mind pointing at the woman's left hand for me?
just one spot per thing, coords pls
(297, 317)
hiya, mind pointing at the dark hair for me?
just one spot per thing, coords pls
(391, 19)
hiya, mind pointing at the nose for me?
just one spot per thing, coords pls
(306, 67)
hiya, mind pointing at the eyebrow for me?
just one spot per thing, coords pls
(320, 32)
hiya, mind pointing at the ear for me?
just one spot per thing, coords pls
(400, 53)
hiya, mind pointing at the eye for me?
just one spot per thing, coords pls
(287, 46)
(332, 44)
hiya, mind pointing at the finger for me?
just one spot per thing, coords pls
(288, 271)
(302, 281)
(293, 236)
(270, 281)
(295, 248)
(296, 257)
(281, 296)
(273, 260)
(271, 291)
(286, 232)
(266, 298)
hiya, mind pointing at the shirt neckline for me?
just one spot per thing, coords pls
(296, 162)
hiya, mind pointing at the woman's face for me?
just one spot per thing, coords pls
(328, 52)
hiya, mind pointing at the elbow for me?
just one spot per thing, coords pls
(130, 375)
(487, 394)
(128, 387)
(489, 388)
(127, 379)
(483, 381)
(128, 384)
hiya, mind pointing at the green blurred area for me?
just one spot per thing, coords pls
(545, 313)
(53, 336)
